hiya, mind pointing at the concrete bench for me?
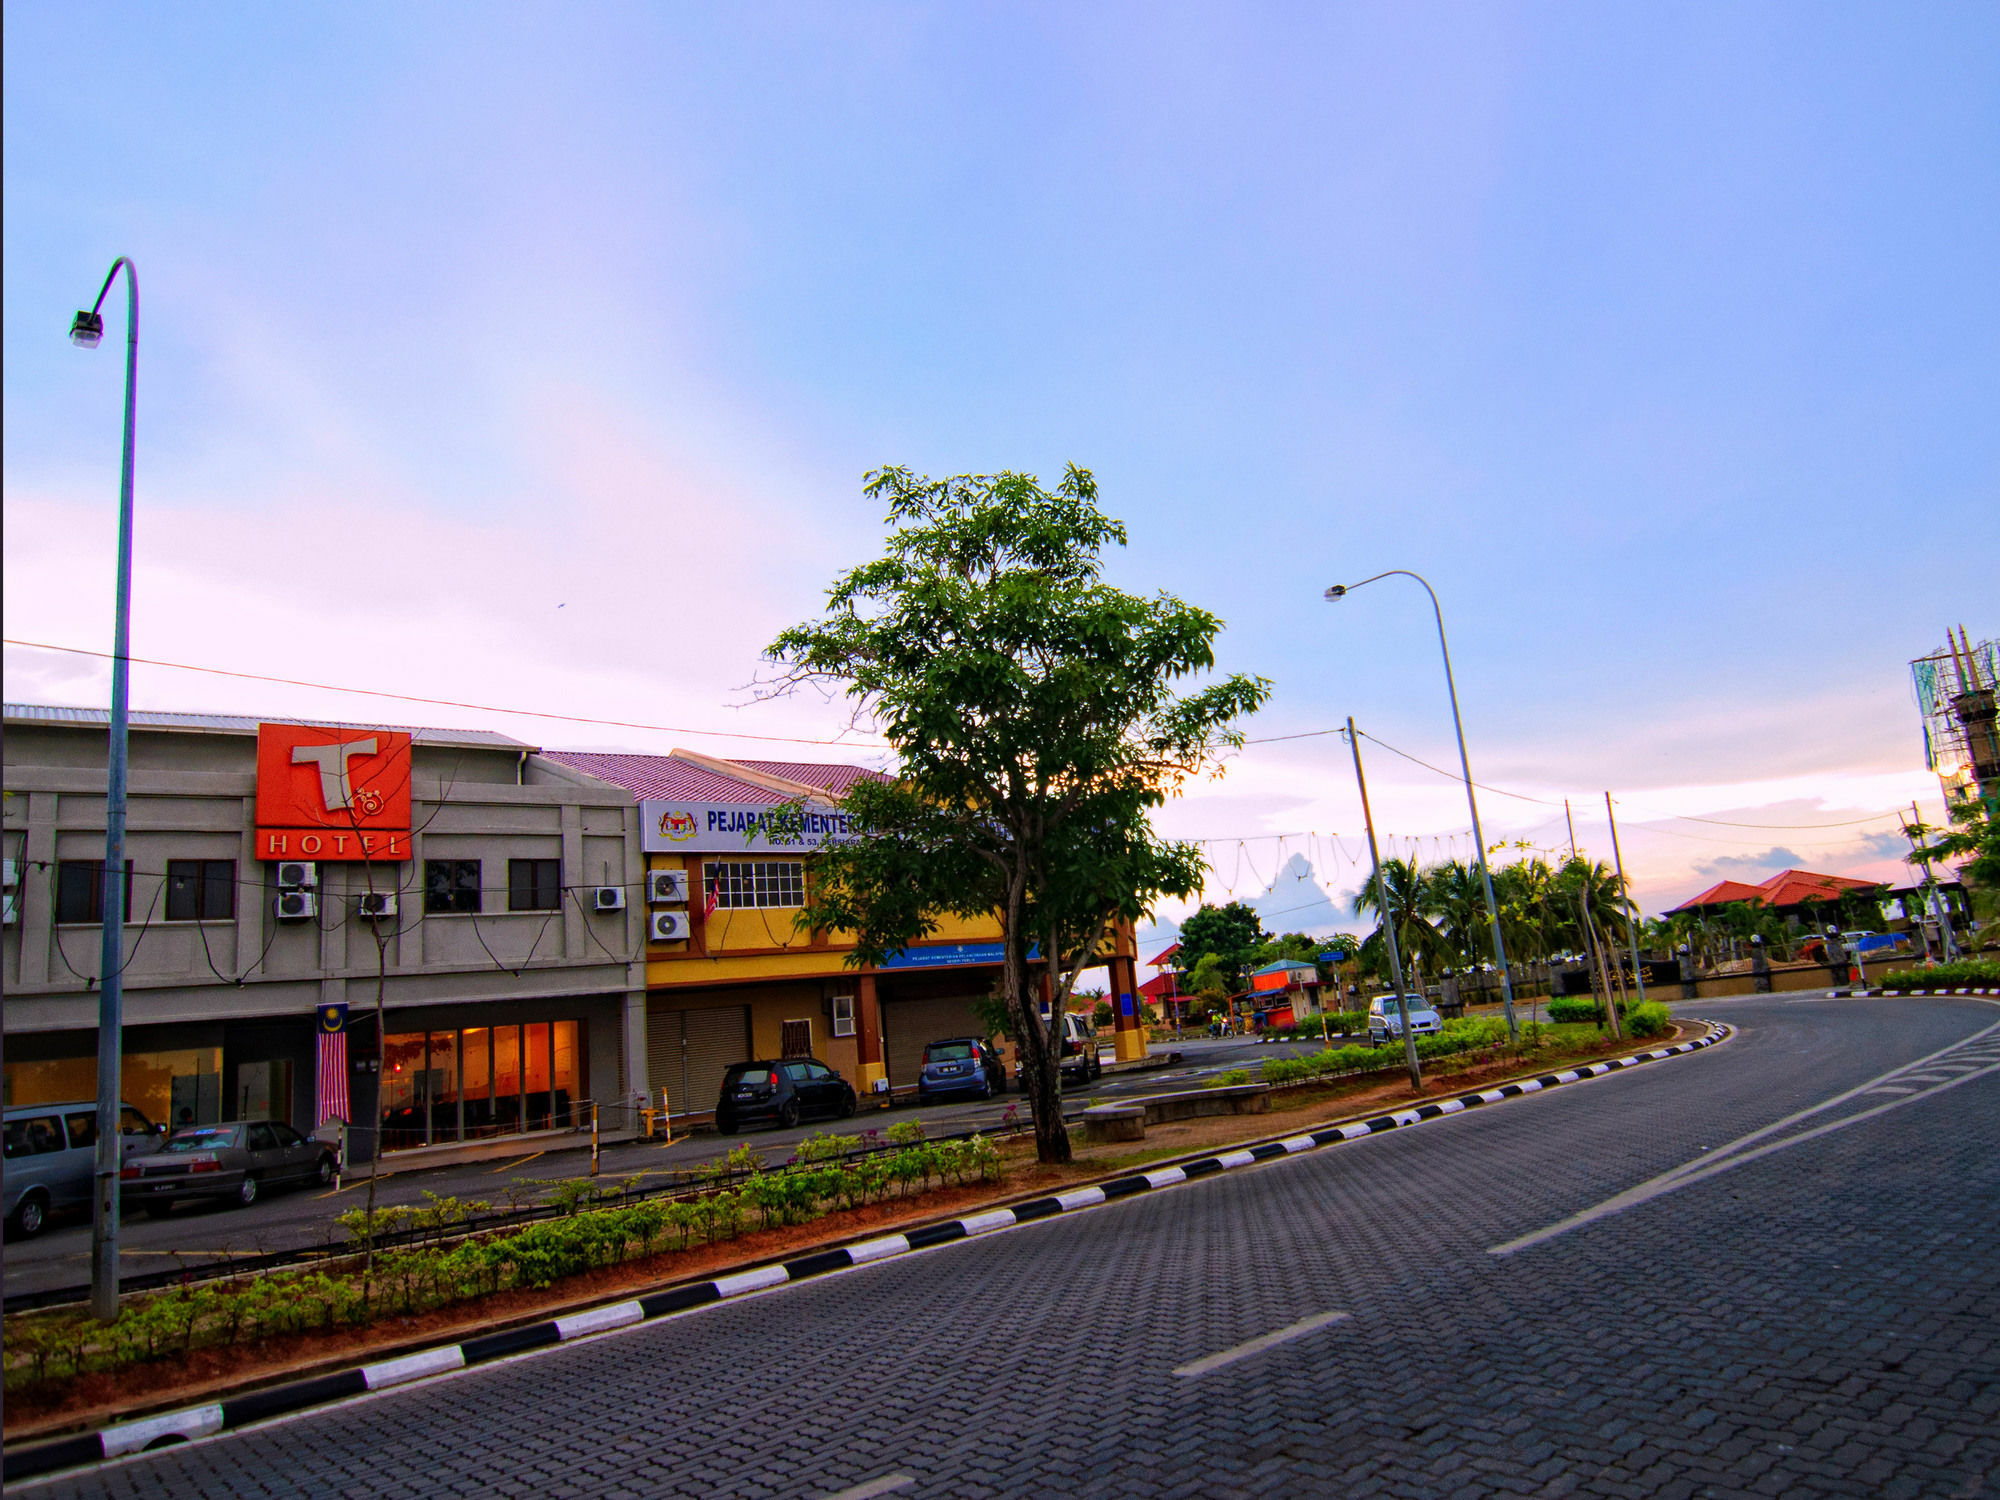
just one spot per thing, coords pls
(1114, 1122)
(1185, 1104)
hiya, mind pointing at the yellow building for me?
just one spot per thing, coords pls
(730, 974)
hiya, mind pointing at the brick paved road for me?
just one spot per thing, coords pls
(1821, 1321)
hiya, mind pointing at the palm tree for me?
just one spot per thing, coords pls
(1407, 909)
(1458, 897)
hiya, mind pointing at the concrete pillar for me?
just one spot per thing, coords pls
(1760, 967)
(1130, 1037)
(873, 1070)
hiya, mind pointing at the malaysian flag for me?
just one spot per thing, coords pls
(332, 1064)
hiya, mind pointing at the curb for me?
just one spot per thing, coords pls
(1878, 993)
(125, 1438)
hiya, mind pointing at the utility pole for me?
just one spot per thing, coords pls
(1388, 917)
(1631, 929)
(1594, 950)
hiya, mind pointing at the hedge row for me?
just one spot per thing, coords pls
(1982, 972)
(56, 1345)
(1466, 1034)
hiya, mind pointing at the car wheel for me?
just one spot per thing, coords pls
(246, 1191)
(158, 1210)
(725, 1124)
(324, 1171)
(788, 1113)
(848, 1104)
(31, 1214)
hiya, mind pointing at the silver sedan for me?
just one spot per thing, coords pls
(236, 1162)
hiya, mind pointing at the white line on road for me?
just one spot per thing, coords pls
(1258, 1345)
(888, 1484)
(1700, 1170)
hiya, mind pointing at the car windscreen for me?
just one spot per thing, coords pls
(202, 1140)
(948, 1052)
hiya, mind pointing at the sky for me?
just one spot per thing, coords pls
(531, 356)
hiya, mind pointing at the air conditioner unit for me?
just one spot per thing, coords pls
(668, 927)
(297, 875)
(13, 873)
(376, 906)
(10, 910)
(667, 887)
(608, 898)
(297, 906)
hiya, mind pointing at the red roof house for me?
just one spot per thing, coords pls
(1786, 889)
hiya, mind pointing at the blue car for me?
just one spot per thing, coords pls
(962, 1065)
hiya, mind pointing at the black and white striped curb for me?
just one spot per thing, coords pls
(282, 1400)
(1879, 992)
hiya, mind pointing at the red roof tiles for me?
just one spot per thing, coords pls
(1786, 888)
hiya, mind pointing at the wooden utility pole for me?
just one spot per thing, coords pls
(1631, 927)
(1388, 917)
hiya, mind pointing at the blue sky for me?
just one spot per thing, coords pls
(531, 355)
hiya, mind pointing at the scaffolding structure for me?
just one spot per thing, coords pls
(1956, 690)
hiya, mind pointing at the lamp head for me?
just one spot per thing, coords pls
(1336, 592)
(87, 331)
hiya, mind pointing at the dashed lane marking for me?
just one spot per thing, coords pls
(888, 1484)
(1259, 1344)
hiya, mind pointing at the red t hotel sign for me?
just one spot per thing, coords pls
(332, 794)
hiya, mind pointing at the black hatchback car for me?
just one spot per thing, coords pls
(961, 1065)
(782, 1093)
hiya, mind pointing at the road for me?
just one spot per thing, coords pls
(1819, 1318)
(198, 1232)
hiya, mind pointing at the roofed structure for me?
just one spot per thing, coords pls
(1786, 889)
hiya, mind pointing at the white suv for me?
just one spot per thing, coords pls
(1385, 1021)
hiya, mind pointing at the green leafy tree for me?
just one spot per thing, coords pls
(1458, 899)
(1231, 932)
(1402, 899)
(1035, 715)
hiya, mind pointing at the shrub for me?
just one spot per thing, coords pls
(1233, 1076)
(1981, 972)
(1649, 1019)
(1566, 1008)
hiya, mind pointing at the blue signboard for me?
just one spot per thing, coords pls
(950, 956)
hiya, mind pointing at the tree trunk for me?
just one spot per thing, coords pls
(1041, 1079)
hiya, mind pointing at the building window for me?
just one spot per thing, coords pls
(760, 882)
(843, 1015)
(80, 890)
(451, 885)
(534, 884)
(201, 890)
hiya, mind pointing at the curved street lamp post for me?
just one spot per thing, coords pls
(1341, 590)
(87, 331)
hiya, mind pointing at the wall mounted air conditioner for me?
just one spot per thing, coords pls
(13, 874)
(608, 898)
(667, 887)
(376, 906)
(297, 875)
(10, 910)
(297, 906)
(668, 927)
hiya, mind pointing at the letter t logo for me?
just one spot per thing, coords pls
(332, 761)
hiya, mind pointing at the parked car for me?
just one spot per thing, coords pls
(1079, 1062)
(782, 1092)
(962, 1065)
(235, 1161)
(1385, 1020)
(51, 1154)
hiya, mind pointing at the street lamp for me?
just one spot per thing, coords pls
(86, 332)
(1340, 591)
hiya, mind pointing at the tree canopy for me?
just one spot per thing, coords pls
(1035, 713)
(1232, 933)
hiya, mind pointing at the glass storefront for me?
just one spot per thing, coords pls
(483, 1081)
(182, 1087)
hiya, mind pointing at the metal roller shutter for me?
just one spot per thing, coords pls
(688, 1051)
(715, 1039)
(909, 1025)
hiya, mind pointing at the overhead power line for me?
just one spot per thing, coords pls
(484, 708)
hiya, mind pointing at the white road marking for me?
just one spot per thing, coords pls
(998, 1218)
(1692, 1172)
(1258, 1345)
(751, 1281)
(413, 1367)
(881, 1249)
(132, 1437)
(888, 1484)
(597, 1319)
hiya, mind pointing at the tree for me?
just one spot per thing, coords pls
(1231, 932)
(1458, 898)
(1403, 900)
(1034, 713)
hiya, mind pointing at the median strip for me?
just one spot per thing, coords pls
(258, 1406)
